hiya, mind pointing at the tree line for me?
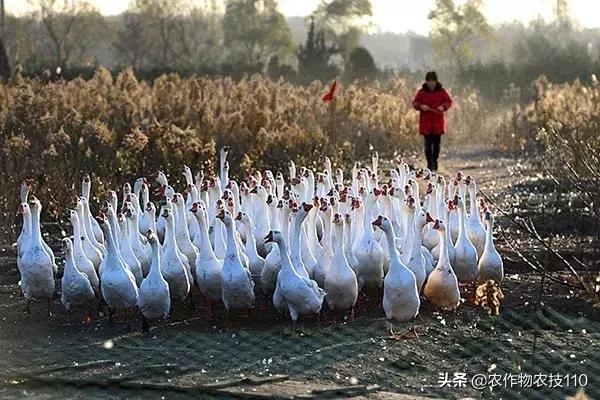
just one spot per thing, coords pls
(238, 37)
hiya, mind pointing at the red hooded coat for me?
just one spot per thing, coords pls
(432, 122)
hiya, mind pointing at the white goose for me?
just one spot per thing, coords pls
(36, 267)
(86, 187)
(26, 228)
(435, 252)
(117, 282)
(85, 218)
(300, 295)
(92, 253)
(237, 287)
(208, 267)
(127, 255)
(414, 259)
(36, 228)
(81, 261)
(154, 300)
(490, 264)
(76, 289)
(326, 257)
(182, 235)
(368, 252)
(400, 293)
(340, 285)
(268, 276)
(475, 231)
(137, 247)
(465, 260)
(255, 262)
(172, 266)
(441, 287)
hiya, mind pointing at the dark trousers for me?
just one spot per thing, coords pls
(432, 150)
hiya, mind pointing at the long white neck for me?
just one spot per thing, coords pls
(232, 250)
(111, 246)
(77, 234)
(417, 239)
(26, 230)
(410, 235)
(489, 235)
(326, 240)
(170, 235)
(393, 252)
(36, 231)
(70, 268)
(250, 242)
(367, 228)
(473, 201)
(461, 219)
(444, 260)
(155, 273)
(206, 249)
(338, 241)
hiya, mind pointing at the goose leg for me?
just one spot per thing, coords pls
(393, 335)
(412, 330)
(145, 325)
(211, 310)
(352, 314)
(49, 309)
(27, 308)
(111, 321)
(228, 323)
(454, 325)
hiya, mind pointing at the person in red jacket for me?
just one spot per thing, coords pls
(432, 101)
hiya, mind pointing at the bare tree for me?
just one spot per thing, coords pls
(72, 28)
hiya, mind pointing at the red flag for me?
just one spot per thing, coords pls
(329, 96)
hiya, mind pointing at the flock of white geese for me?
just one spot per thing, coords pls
(317, 238)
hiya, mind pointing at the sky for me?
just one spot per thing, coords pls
(402, 15)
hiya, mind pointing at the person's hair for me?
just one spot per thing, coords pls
(431, 76)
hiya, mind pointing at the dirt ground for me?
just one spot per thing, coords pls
(189, 356)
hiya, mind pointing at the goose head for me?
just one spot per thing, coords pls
(225, 217)
(86, 185)
(279, 178)
(113, 199)
(244, 218)
(126, 189)
(338, 220)
(77, 203)
(232, 185)
(150, 208)
(25, 188)
(187, 173)
(382, 223)
(274, 236)
(421, 218)
(199, 178)
(23, 209)
(292, 168)
(152, 238)
(34, 205)
(128, 210)
(66, 246)
(161, 178)
(74, 218)
(103, 222)
(269, 176)
(488, 218)
(167, 214)
(139, 183)
(224, 151)
(339, 175)
(439, 225)
(458, 203)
